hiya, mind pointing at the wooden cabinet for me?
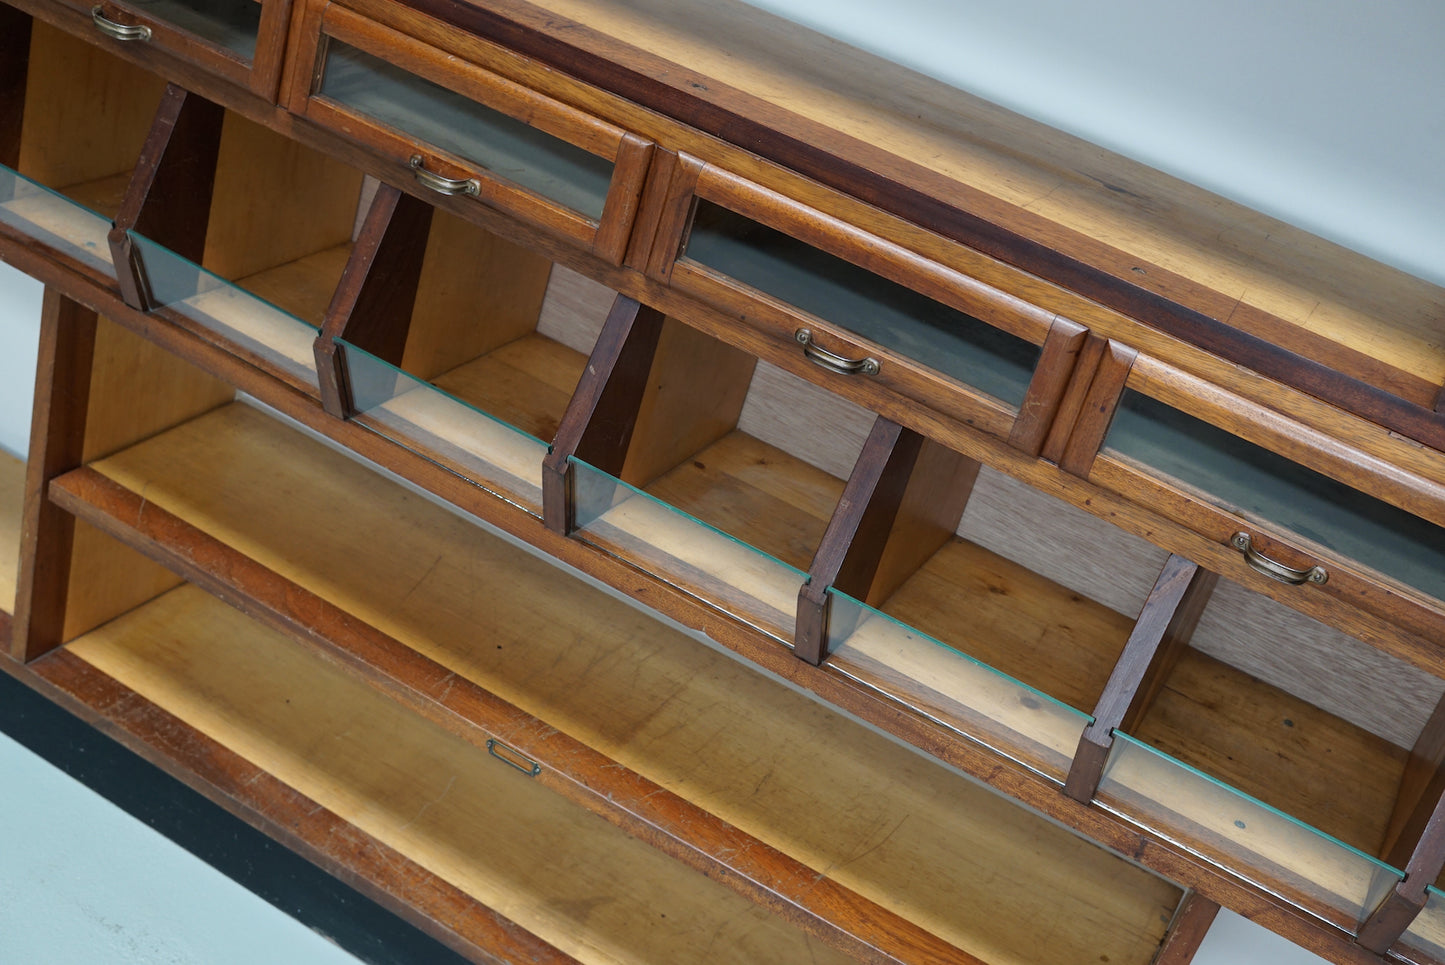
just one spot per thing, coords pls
(661, 521)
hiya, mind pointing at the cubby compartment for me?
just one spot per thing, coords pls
(73, 119)
(662, 461)
(238, 234)
(459, 344)
(946, 869)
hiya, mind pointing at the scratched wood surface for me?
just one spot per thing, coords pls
(940, 851)
(546, 863)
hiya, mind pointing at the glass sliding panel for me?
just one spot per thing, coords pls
(454, 435)
(280, 339)
(705, 562)
(56, 221)
(1257, 483)
(952, 687)
(1319, 873)
(943, 338)
(454, 123)
(232, 24)
(1426, 934)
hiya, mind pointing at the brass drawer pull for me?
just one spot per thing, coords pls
(1276, 570)
(118, 31)
(834, 363)
(441, 185)
(513, 757)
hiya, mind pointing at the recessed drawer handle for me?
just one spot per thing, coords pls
(513, 757)
(118, 31)
(441, 185)
(1276, 570)
(833, 363)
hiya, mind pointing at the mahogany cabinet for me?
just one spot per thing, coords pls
(618, 490)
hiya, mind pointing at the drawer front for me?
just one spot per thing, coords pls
(864, 307)
(457, 128)
(1296, 504)
(242, 41)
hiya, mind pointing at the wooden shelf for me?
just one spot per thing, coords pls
(527, 382)
(473, 821)
(924, 843)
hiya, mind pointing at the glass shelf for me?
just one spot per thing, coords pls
(685, 551)
(459, 437)
(1319, 873)
(952, 688)
(54, 220)
(278, 338)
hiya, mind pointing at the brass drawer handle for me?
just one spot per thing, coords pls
(118, 31)
(513, 757)
(441, 185)
(833, 363)
(1274, 569)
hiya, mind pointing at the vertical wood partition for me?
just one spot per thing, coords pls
(1160, 635)
(902, 502)
(14, 65)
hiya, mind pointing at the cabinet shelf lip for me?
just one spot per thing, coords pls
(625, 798)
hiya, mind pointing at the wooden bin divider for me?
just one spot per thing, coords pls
(1159, 637)
(373, 303)
(902, 502)
(169, 196)
(14, 66)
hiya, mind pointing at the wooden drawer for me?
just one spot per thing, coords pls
(862, 306)
(459, 128)
(1339, 529)
(241, 41)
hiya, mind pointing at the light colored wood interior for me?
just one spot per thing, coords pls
(934, 847)
(1282, 750)
(554, 868)
(1014, 620)
(12, 506)
(1035, 176)
(526, 382)
(275, 200)
(87, 114)
(303, 287)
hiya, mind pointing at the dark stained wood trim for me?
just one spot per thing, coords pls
(645, 810)
(169, 196)
(1097, 412)
(1191, 923)
(57, 441)
(14, 70)
(602, 414)
(1047, 388)
(373, 303)
(1159, 637)
(378, 871)
(951, 209)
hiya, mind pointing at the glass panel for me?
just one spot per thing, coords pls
(507, 147)
(952, 687)
(1257, 483)
(276, 337)
(973, 352)
(56, 221)
(232, 24)
(1322, 875)
(709, 564)
(444, 429)
(1426, 934)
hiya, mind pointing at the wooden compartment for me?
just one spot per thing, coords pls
(237, 233)
(440, 106)
(952, 860)
(861, 306)
(73, 119)
(660, 461)
(458, 344)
